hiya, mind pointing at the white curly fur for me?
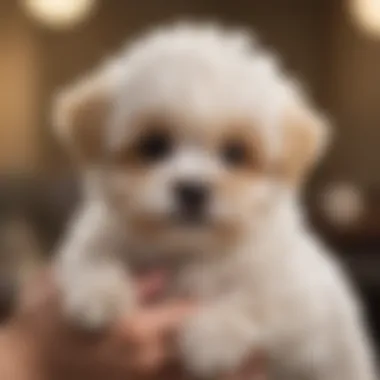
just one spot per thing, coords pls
(271, 287)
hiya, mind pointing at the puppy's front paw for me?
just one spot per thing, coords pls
(214, 344)
(97, 301)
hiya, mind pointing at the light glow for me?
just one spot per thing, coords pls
(342, 204)
(366, 14)
(59, 14)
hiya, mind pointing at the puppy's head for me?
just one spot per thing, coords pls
(195, 135)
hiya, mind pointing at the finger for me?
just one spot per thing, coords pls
(253, 369)
(38, 293)
(151, 285)
(158, 320)
(149, 359)
(153, 323)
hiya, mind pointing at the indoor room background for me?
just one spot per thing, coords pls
(333, 46)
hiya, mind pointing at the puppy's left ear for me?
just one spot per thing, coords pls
(80, 114)
(305, 140)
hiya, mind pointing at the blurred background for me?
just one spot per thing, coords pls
(333, 46)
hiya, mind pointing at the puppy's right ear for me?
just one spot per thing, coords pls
(80, 114)
(306, 137)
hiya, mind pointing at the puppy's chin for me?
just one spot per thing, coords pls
(176, 234)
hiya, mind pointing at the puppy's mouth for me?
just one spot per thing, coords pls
(190, 219)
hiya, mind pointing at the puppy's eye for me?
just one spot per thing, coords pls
(235, 153)
(155, 146)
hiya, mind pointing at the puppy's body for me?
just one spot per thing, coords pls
(198, 148)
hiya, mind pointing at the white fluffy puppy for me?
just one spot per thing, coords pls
(194, 146)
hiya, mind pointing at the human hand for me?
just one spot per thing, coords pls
(140, 346)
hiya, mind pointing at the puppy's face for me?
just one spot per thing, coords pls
(178, 180)
(192, 152)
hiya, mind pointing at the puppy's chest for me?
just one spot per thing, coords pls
(199, 279)
(239, 281)
(205, 280)
(247, 271)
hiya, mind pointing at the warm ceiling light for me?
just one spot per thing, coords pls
(367, 15)
(60, 13)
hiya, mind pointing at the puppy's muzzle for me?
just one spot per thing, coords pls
(192, 199)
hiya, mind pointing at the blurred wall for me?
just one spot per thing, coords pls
(354, 86)
(19, 91)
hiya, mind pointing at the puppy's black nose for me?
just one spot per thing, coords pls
(192, 197)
